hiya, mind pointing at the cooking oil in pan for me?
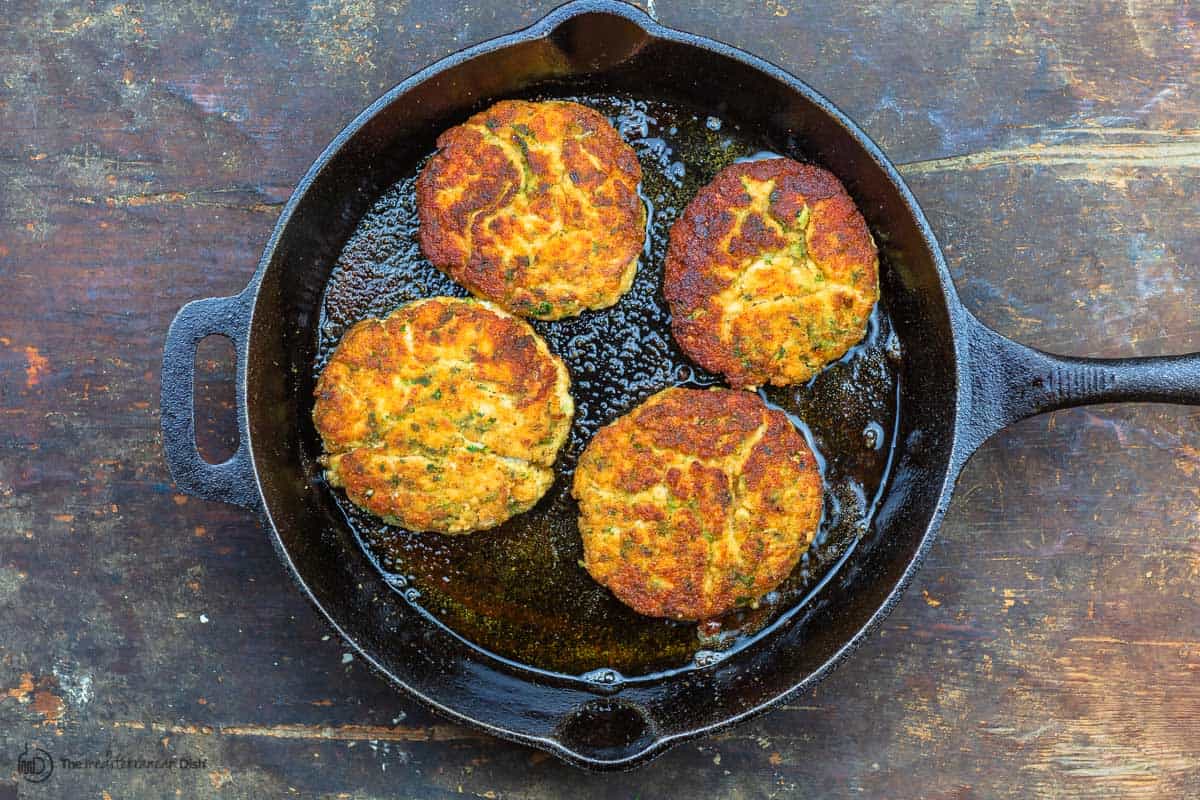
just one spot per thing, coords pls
(518, 591)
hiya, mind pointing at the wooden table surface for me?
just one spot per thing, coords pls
(1051, 645)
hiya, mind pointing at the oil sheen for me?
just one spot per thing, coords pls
(518, 591)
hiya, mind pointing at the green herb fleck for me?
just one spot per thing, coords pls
(802, 218)
(744, 580)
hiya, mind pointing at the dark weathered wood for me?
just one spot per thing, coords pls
(1051, 645)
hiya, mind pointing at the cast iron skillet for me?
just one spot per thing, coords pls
(958, 382)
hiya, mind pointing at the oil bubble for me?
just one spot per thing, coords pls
(603, 676)
(873, 435)
(706, 658)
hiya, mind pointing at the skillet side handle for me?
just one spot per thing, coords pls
(231, 481)
(1007, 381)
(607, 735)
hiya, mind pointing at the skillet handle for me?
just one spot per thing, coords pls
(1008, 381)
(231, 481)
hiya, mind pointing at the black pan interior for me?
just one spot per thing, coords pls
(518, 591)
(522, 597)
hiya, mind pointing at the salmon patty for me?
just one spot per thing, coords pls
(534, 206)
(771, 273)
(696, 501)
(445, 416)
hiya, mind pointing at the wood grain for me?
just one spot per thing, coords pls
(1051, 645)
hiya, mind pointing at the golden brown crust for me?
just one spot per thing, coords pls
(534, 206)
(771, 273)
(445, 416)
(696, 501)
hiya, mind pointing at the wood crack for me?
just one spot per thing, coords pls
(1173, 154)
(345, 733)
